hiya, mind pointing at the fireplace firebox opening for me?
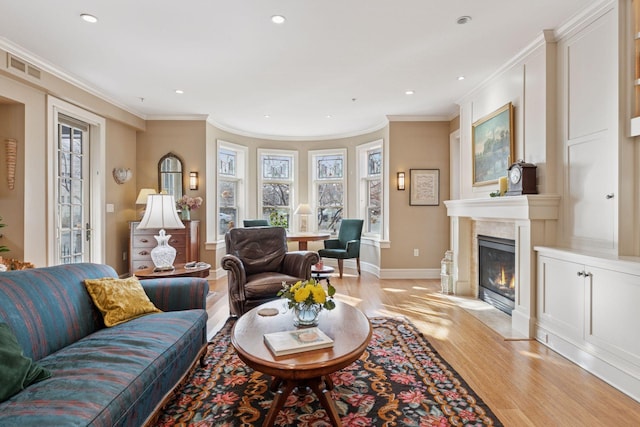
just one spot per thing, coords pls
(496, 272)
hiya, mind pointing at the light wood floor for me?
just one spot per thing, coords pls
(523, 382)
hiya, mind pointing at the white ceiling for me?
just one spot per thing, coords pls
(350, 59)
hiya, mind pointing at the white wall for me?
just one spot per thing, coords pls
(523, 82)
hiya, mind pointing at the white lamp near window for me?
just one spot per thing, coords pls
(143, 195)
(161, 213)
(303, 210)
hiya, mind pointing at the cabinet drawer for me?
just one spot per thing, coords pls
(143, 241)
(149, 242)
(141, 264)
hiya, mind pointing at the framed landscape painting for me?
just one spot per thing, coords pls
(492, 138)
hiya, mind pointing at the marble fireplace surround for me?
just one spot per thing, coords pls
(530, 220)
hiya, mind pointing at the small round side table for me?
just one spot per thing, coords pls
(323, 273)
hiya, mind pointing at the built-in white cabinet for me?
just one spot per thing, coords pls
(587, 310)
(590, 133)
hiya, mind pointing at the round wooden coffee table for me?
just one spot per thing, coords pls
(346, 325)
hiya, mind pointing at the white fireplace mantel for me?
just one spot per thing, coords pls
(529, 207)
(534, 218)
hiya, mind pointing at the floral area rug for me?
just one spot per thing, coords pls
(398, 381)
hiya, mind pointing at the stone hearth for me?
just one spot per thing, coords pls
(529, 220)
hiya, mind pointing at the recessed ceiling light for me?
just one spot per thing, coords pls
(278, 19)
(328, 116)
(179, 91)
(409, 92)
(460, 77)
(463, 20)
(266, 116)
(89, 18)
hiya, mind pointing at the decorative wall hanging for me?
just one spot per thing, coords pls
(122, 175)
(424, 187)
(11, 148)
(492, 138)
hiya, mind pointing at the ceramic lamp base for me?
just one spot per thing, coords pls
(163, 255)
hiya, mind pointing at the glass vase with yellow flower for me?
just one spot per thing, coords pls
(307, 298)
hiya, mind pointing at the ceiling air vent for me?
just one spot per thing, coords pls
(19, 66)
(33, 71)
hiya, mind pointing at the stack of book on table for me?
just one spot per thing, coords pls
(297, 341)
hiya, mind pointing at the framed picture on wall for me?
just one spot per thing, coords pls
(492, 139)
(424, 185)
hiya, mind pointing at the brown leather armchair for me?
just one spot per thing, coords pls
(258, 262)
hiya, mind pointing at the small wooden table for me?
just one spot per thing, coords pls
(322, 273)
(304, 238)
(178, 271)
(346, 325)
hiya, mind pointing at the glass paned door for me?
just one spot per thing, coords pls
(72, 216)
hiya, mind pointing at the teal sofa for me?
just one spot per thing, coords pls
(118, 376)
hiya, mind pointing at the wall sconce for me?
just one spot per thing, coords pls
(401, 181)
(193, 180)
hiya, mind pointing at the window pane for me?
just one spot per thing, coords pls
(373, 220)
(65, 216)
(65, 138)
(277, 217)
(227, 194)
(228, 218)
(375, 188)
(76, 166)
(228, 163)
(65, 191)
(77, 242)
(374, 161)
(77, 216)
(76, 147)
(329, 219)
(65, 164)
(275, 194)
(65, 244)
(330, 194)
(330, 167)
(276, 167)
(76, 191)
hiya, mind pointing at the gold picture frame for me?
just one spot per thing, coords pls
(493, 146)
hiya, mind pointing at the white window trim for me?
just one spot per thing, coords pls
(242, 153)
(361, 190)
(97, 153)
(313, 196)
(293, 196)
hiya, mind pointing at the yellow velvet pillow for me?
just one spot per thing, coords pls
(119, 300)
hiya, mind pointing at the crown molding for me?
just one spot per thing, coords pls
(241, 132)
(59, 73)
(546, 36)
(185, 117)
(420, 118)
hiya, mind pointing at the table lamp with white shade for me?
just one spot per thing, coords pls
(143, 195)
(303, 210)
(161, 213)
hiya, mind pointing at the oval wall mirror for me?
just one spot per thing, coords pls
(170, 177)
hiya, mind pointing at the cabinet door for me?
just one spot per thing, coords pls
(561, 297)
(590, 135)
(612, 315)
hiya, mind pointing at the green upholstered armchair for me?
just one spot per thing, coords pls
(347, 245)
(255, 222)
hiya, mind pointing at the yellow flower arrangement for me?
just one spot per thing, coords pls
(308, 292)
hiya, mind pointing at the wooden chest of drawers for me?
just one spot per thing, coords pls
(186, 241)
